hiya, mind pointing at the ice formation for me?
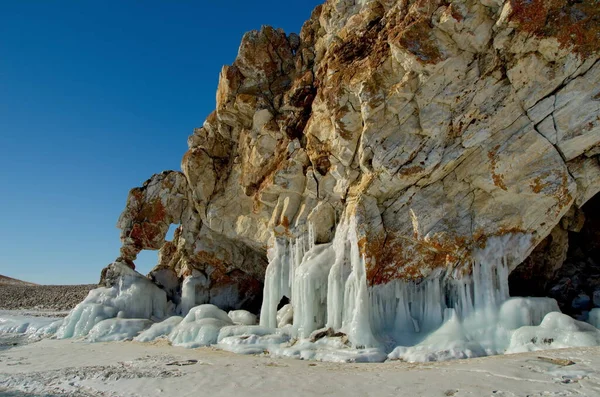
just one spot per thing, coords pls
(194, 291)
(242, 317)
(444, 316)
(133, 296)
(117, 329)
(159, 329)
(33, 326)
(556, 331)
(332, 314)
(200, 327)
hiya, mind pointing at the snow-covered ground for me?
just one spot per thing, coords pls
(70, 367)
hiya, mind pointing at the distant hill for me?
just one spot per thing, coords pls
(13, 281)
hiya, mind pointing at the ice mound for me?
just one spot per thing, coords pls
(159, 329)
(333, 349)
(279, 343)
(132, 296)
(556, 331)
(252, 343)
(200, 327)
(242, 317)
(245, 330)
(48, 330)
(117, 329)
(519, 312)
(450, 341)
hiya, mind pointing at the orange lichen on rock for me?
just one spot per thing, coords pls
(563, 195)
(393, 257)
(537, 185)
(575, 25)
(481, 237)
(497, 178)
(417, 38)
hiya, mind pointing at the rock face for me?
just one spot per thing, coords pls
(438, 124)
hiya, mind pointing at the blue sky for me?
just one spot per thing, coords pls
(95, 97)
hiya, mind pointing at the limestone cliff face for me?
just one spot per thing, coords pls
(438, 124)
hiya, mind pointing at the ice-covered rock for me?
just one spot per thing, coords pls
(117, 329)
(242, 317)
(596, 297)
(252, 343)
(157, 330)
(581, 302)
(556, 331)
(200, 327)
(131, 296)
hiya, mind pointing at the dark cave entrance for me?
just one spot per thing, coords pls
(566, 264)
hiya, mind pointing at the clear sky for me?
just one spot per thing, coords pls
(95, 97)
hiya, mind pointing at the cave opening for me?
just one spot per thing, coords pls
(566, 264)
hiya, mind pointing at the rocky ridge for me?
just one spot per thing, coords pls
(42, 297)
(439, 125)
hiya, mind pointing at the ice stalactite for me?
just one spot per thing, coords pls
(285, 257)
(194, 291)
(348, 304)
(326, 284)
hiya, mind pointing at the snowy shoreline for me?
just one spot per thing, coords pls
(67, 367)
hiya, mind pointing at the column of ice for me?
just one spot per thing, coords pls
(338, 275)
(277, 282)
(310, 289)
(348, 301)
(189, 298)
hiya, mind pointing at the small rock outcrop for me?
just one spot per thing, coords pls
(439, 124)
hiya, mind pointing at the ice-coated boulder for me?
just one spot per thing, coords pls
(200, 327)
(128, 295)
(556, 331)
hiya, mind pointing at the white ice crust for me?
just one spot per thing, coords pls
(33, 326)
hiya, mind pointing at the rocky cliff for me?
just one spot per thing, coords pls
(438, 125)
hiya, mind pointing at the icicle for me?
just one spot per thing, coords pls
(194, 291)
(310, 289)
(277, 282)
(337, 280)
